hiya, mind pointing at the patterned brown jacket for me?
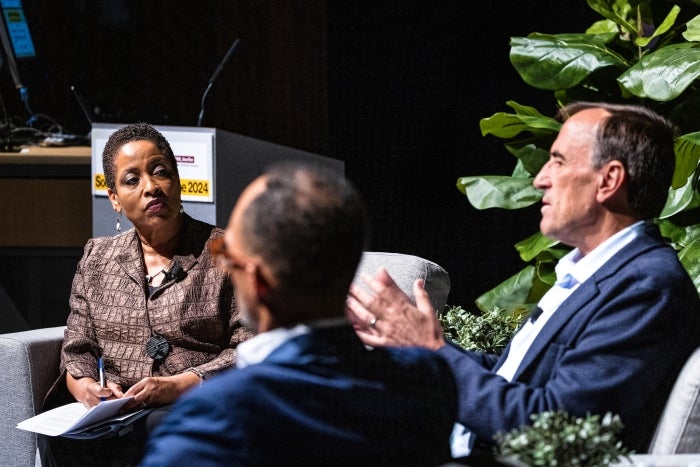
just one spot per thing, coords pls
(113, 316)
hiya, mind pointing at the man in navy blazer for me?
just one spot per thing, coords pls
(306, 390)
(623, 316)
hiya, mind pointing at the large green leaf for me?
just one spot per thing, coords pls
(527, 111)
(680, 199)
(508, 125)
(520, 171)
(561, 61)
(532, 246)
(664, 74)
(692, 32)
(602, 27)
(687, 150)
(618, 12)
(531, 156)
(680, 237)
(511, 294)
(661, 29)
(497, 191)
(690, 258)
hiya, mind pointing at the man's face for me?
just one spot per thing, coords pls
(570, 208)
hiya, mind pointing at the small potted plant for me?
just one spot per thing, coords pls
(559, 439)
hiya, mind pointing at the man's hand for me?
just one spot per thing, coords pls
(388, 317)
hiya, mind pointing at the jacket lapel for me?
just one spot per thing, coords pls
(129, 258)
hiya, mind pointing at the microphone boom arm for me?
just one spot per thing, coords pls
(215, 75)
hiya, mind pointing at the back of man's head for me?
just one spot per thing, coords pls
(309, 227)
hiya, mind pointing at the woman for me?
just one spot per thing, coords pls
(150, 302)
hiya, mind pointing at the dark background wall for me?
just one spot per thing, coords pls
(394, 88)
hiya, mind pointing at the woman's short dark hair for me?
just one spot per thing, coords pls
(127, 134)
(644, 142)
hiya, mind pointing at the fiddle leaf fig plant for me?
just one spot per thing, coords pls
(641, 51)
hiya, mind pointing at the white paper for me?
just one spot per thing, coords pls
(72, 417)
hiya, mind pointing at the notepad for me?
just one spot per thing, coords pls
(74, 417)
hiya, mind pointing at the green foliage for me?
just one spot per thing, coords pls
(558, 439)
(488, 332)
(641, 51)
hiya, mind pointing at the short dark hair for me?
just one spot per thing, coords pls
(644, 142)
(127, 134)
(310, 228)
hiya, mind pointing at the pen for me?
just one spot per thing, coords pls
(101, 369)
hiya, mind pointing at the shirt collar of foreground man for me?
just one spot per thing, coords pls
(308, 391)
(256, 349)
(614, 344)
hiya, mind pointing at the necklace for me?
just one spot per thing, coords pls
(149, 279)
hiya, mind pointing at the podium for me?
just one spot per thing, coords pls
(215, 166)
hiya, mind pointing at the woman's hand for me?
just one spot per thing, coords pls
(89, 392)
(154, 391)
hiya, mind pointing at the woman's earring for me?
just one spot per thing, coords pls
(118, 225)
(182, 208)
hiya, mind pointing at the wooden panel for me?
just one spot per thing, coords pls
(45, 212)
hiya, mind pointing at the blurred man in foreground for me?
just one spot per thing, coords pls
(306, 391)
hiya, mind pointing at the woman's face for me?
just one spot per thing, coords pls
(147, 186)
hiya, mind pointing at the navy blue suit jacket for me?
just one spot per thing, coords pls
(319, 399)
(616, 344)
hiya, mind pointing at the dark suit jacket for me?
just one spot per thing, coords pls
(319, 399)
(616, 344)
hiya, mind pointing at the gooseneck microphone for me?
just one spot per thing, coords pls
(215, 75)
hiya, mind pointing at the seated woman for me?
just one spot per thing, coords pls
(150, 302)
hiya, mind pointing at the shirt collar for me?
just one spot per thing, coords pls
(575, 269)
(256, 349)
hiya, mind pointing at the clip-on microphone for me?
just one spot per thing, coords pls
(173, 270)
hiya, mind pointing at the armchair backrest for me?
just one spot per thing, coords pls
(405, 269)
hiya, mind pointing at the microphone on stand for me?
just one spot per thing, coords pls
(215, 75)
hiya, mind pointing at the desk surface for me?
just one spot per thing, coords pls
(49, 155)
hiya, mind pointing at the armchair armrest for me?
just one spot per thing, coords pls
(29, 363)
(678, 430)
